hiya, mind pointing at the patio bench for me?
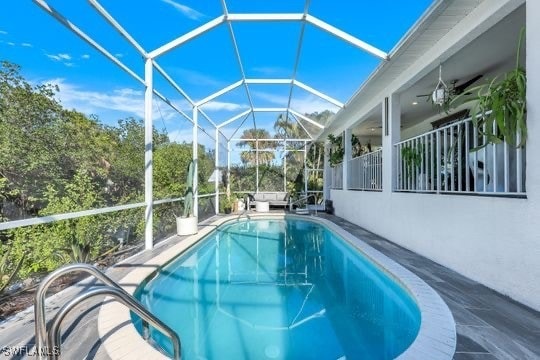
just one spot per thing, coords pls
(276, 199)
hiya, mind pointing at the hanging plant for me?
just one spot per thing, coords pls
(500, 107)
(337, 152)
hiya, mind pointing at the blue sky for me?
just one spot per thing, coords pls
(48, 52)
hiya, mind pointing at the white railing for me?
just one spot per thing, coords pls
(442, 160)
(365, 172)
(337, 176)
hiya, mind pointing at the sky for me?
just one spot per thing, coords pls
(50, 53)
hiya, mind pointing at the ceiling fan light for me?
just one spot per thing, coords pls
(439, 96)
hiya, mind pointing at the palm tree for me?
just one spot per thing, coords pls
(249, 157)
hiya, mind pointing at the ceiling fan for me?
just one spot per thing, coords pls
(443, 92)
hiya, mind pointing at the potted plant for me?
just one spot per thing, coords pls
(499, 112)
(412, 157)
(187, 223)
(227, 205)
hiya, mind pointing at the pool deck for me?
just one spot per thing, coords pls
(489, 325)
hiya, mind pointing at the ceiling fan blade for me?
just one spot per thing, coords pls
(424, 95)
(460, 88)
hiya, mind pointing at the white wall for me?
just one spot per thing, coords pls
(495, 241)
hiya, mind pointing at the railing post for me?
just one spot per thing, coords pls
(391, 135)
(148, 161)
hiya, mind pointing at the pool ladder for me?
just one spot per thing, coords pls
(49, 340)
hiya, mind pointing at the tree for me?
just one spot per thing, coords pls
(250, 157)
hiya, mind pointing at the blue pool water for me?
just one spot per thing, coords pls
(280, 289)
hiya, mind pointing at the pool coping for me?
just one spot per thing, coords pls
(436, 338)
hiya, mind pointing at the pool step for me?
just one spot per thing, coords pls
(302, 211)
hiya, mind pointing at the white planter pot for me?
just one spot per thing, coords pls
(186, 225)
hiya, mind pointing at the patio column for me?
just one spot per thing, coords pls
(533, 106)
(346, 157)
(195, 161)
(391, 134)
(148, 147)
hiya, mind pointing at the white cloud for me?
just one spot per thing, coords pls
(63, 58)
(186, 135)
(93, 102)
(53, 57)
(127, 101)
(27, 45)
(85, 56)
(196, 77)
(188, 12)
(2, 32)
(119, 55)
(10, 43)
(305, 105)
(59, 57)
(270, 70)
(220, 105)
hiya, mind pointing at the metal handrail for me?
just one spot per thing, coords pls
(303, 199)
(55, 332)
(39, 298)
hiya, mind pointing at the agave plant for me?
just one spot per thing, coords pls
(499, 112)
(188, 195)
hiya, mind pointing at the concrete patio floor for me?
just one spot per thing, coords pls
(489, 325)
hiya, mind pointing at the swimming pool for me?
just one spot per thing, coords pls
(280, 289)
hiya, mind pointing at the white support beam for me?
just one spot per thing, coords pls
(195, 157)
(303, 117)
(220, 92)
(347, 146)
(318, 93)
(216, 174)
(108, 17)
(148, 154)
(297, 61)
(240, 126)
(346, 37)
(61, 19)
(239, 59)
(265, 17)
(208, 118)
(229, 169)
(173, 83)
(174, 107)
(302, 126)
(269, 81)
(187, 37)
(234, 118)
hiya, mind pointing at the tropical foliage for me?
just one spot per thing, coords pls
(55, 160)
(499, 110)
